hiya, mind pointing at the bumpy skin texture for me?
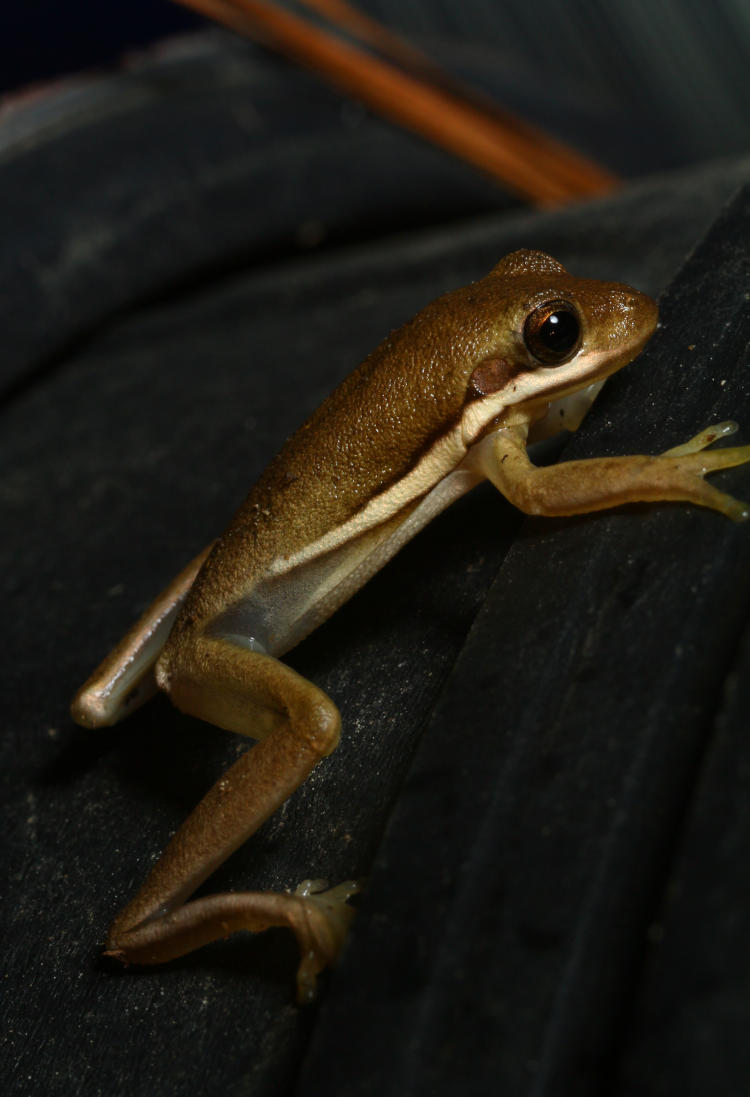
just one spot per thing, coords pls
(446, 400)
(408, 394)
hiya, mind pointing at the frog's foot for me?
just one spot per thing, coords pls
(597, 483)
(694, 462)
(320, 922)
(706, 438)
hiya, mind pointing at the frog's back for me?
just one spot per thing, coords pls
(361, 443)
(378, 444)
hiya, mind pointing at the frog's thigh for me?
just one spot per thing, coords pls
(248, 692)
(575, 487)
(251, 693)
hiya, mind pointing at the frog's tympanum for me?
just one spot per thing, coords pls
(451, 398)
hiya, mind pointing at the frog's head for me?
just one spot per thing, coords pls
(544, 336)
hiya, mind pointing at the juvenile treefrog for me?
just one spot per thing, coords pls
(449, 399)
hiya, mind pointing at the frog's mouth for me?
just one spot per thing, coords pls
(566, 413)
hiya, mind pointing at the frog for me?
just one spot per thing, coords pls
(455, 396)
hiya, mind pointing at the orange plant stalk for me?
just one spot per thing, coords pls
(524, 160)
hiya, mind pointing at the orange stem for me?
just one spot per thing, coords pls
(503, 147)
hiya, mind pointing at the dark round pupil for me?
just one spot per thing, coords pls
(552, 332)
(559, 332)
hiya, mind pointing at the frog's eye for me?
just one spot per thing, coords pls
(552, 332)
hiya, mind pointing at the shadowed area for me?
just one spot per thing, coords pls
(542, 771)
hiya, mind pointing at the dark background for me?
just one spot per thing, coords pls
(544, 770)
(42, 39)
(645, 86)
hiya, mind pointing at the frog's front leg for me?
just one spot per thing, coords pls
(297, 725)
(576, 487)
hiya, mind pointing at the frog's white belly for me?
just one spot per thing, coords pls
(284, 608)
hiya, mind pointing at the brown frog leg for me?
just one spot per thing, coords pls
(575, 487)
(297, 724)
(125, 679)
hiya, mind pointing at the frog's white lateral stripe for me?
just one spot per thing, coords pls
(448, 452)
(549, 383)
(311, 594)
(440, 459)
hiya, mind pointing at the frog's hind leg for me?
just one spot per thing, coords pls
(125, 679)
(297, 725)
